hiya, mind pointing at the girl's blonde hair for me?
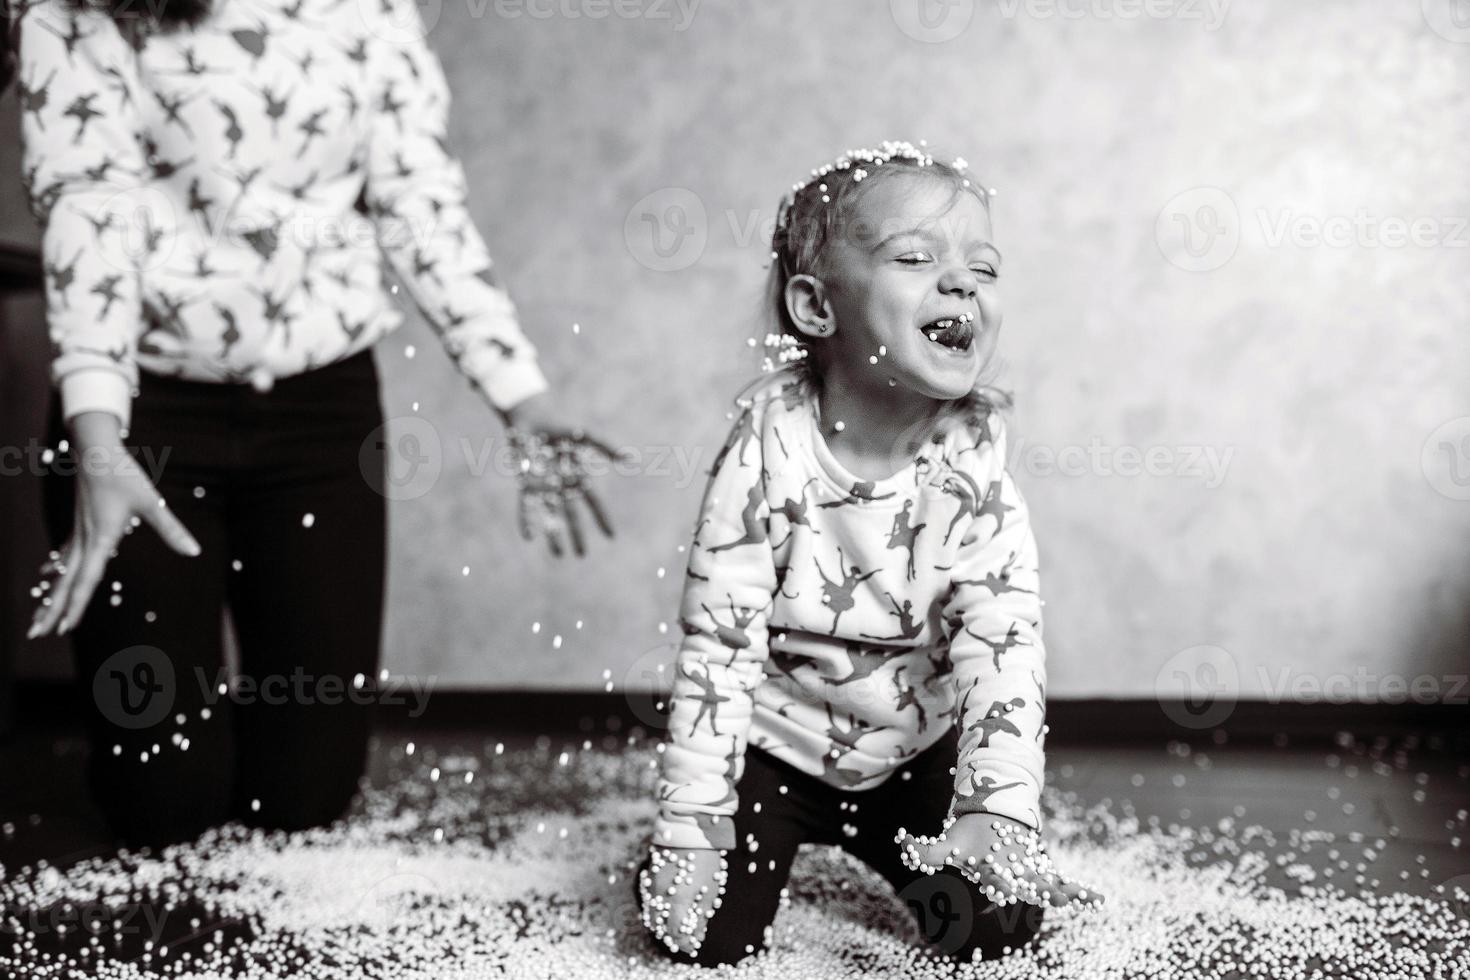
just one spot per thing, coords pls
(815, 215)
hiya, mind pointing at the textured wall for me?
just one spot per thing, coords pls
(1296, 516)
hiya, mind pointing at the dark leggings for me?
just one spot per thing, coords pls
(953, 916)
(279, 490)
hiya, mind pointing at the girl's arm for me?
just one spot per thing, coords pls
(996, 648)
(719, 666)
(416, 194)
(87, 181)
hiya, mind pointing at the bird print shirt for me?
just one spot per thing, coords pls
(844, 625)
(216, 200)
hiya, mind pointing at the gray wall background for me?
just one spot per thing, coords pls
(1160, 173)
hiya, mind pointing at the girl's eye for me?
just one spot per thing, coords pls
(986, 270)
(914, 258)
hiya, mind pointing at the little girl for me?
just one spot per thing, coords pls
(862, 648)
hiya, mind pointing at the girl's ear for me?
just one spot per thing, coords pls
(808, 307)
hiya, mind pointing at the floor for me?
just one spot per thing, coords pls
(1405, 801)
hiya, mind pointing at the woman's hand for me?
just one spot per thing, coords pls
(113, 497)
(1003, 856)
(553, 455)
(680, 890)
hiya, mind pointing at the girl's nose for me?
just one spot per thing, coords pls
(959, 281)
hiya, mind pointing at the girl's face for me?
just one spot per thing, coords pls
(911, 281)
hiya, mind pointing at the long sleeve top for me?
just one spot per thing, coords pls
(844, 625)
(216, 201)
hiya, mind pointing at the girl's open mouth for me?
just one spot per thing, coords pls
(955, 333)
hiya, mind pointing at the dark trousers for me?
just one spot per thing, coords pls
(278, 489)
(952, 914)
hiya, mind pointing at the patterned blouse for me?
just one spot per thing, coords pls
(215, 200)
(845, 625)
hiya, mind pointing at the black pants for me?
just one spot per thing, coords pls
(278, 489)
(954, 917)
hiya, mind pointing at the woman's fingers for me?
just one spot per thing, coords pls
(171, 529)
(53, 600)
(523, 515)
(87, 575)
(572, 521)
(598, 514)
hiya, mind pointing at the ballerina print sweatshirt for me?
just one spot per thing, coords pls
(844, 625)
(217, 200)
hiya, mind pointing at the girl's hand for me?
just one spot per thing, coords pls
(1003, 856)
(113, 497)
(553, 457)
(680, 890)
